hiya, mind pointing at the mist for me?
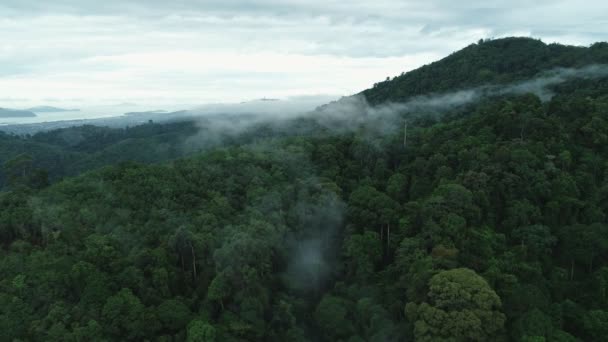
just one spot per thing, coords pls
(313, 256)
(220, 124)
(353, 113)
(268, 106)
(315, 220)
(540, 86)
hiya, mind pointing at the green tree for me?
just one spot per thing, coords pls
(461, 307)
(363, 252)
(201, 331)
(173, 314)
(124, 316)
(333, 319)
(596, 324)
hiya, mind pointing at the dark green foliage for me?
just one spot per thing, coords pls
(487, 62)
(462, 307)
(69, 151)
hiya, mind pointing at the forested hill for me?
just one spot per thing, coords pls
(70, 151)
(488, 62)
(489, 223)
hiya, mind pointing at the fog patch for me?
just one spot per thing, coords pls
(314, 249)
(540, 86)
(355, 114)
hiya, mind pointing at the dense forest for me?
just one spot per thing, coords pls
(486, 222)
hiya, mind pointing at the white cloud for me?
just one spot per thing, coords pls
(232, 50)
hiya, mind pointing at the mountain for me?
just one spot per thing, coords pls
(147, 112)
(50, 109)
(481, 220)
(15, 113)
(70, 151)
(497, 61)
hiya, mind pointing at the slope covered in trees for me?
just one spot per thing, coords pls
(70, 151)
(488, 62)
(489, 225)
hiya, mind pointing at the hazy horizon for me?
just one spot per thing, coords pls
(72, 53)
(69, 53)
(286, 107)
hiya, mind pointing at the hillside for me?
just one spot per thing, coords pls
(70, 151)
(487, 224)
(496, 61)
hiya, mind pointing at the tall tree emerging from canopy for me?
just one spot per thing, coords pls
(461, 307)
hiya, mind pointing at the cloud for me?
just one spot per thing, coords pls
(231, 50)
(351, 114)
(221, 124)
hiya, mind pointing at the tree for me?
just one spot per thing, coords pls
(536, 239)
(92, 331)
(363, 252)
(374, 321)
(219, 288)
(373, 210)
(18, 168)
(124, 316)
(332, 317)
(461, 307)
(173, 314)
(596, 324)
(20, 171)
(183, 244)
(534, 323)
(396, 187)
(201, 331)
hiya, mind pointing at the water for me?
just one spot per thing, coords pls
(93, 112)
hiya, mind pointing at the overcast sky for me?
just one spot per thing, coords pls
(201, 51)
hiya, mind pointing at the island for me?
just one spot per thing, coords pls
(50, 109)
(16, 113)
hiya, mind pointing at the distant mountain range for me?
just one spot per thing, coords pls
(264, 99)
(31, 112)
(15, 113)
(50, 109)
(146, 112)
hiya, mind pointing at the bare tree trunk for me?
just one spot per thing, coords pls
(572, 270)
(193, 261)
(388, 236)
(405, 134)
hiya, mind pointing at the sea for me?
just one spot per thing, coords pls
(87, 113)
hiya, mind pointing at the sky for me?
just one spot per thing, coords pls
(71, 52)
